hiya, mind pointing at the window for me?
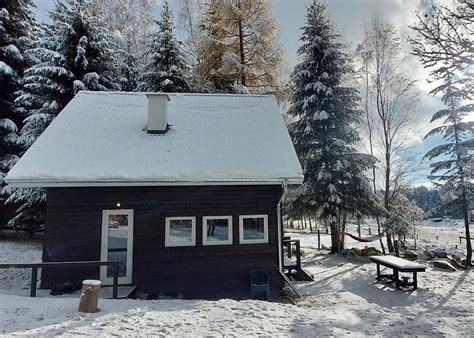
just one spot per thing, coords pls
(253, 229)
(216, 230)
(180, 231)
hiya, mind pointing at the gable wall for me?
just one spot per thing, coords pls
(73, 232)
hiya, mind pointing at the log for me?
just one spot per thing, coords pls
(89, 295)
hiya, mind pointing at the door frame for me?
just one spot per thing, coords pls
(105, 241)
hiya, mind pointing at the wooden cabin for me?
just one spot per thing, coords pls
(183, 190)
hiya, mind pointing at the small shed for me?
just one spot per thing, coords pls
(183, 190)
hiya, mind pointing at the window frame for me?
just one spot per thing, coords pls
(205, 241)
(265, 239)
(168, 242)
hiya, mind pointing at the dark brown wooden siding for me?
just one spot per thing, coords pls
(73, 232)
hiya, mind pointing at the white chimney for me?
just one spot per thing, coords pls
(157, 113)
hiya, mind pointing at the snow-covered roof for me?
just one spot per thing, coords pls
(100, 139)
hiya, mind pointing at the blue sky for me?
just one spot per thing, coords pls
(349, 17)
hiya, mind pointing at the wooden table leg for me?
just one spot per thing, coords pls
(397, 281)
(415, 281)
(378, 272)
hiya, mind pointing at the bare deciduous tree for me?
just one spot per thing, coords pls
(390, 102)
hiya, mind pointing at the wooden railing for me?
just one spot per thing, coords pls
(34, 271)
(289, 244)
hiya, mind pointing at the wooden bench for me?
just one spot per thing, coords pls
(461, 238)
(398, 265)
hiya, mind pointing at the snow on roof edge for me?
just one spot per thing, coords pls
(94, 92)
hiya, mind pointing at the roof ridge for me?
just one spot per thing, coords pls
(93, 92)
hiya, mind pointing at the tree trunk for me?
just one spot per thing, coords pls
(241, 49)
(396, 246)
(468, 232)
(358, 226)
(465, 202)
(387, 187)
(335, 237)
(342, 233)
(380, 236)
(389, 242)
(89, 296)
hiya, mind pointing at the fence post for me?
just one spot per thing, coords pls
(34, 278)
(298, 258)
(115, 281)
(319, 240)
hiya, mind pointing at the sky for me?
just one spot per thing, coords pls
(349, 17)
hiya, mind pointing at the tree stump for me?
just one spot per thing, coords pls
(89, 295)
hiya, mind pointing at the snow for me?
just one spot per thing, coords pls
(6, 69)
(344, 299)
(18, 252)
(91, 282)
(100, 137)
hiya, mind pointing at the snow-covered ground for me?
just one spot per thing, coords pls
(428, 235)
(18, 251)
(343, 299)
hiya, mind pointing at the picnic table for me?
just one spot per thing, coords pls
(461, 238)
(398, 265)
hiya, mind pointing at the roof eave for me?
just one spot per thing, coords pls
(32, 183)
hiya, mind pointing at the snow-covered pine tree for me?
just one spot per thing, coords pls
(128, 67)
(324, 114)
(17, 27)
(444, 46)
(75, 54)
(165, 70)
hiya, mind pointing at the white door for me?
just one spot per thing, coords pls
(117, 244)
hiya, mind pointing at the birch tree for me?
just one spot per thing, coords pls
(390, 103)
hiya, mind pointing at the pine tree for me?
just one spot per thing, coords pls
(166, 70)
(239, 46)
(443, 43)
(324, 114)
(75, 54)
(17, 27)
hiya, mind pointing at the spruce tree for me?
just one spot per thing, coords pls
(443, 43)
(75, 54)
(17, 27)
(165, 70)
(324, 114)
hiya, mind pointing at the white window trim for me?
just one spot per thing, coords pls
(253, 241)
(169, 243)
(127, 279)
(204, 231)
